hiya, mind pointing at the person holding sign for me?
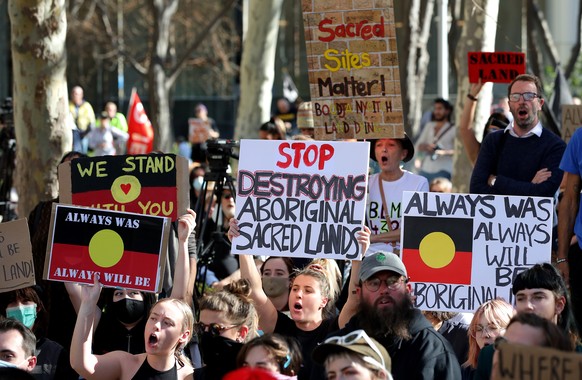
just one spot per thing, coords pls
(168, 330)
(384, 213)
(122, 325)
(310, 293)
(524, 158)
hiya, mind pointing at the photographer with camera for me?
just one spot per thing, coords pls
(7, 161)
(436, 143)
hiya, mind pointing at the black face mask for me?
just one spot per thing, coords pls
(219, 352)
(128, 310)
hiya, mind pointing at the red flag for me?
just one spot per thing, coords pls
(141, 133)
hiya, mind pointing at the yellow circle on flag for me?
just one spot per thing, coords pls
(106, 248)
(125, 189)
(437, 250)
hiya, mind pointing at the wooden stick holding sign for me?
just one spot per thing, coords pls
(127, 250)
(17, 269)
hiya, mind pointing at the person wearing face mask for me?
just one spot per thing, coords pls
(121, 318)
(275, 273)
(227, 320)
(25, 305)
(17, 345)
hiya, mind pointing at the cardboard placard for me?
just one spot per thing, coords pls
(461, 250)
(514, 361)
(497, 67)
(15, 256)
(153, 184)
(127, 250)
(354, 77)
(301, 198)
(198, 130)
(571, 120)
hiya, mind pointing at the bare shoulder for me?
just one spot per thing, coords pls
(186, 372)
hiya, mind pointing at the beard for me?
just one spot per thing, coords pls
(389, 321)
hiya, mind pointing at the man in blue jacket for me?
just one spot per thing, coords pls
(524, 158)
(386, 312)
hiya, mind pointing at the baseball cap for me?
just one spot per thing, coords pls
(381, 261)
(359, 342)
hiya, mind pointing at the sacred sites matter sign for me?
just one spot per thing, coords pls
(152, 184)
(301, 198)
(461, 250)
(127, 250)
(354, 77)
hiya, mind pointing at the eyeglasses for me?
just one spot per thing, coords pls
(490, 330)
(392, 283)
(361, 338)
(215, 329)
(227, 196)
(527, 96)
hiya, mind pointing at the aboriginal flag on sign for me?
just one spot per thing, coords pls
(438, 250)
(124, 247)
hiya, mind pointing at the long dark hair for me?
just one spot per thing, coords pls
(31, 293)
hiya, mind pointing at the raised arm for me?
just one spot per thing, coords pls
(83, 361)
(351, 306)
(466, 124)
(75, 294)
(248, 269)
(186, 224)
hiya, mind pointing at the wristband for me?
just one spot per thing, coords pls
(563, 260)
(473, 98)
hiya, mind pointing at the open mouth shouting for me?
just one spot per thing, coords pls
(153, 340)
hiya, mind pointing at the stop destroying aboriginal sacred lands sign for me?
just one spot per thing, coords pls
(127, 250)
(461, 250)
(152, 184)
(301, 198)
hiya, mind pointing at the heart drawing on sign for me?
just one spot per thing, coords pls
(125, 187)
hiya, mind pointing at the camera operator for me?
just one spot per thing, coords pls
(7, 161)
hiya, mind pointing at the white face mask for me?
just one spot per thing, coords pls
(4, 364)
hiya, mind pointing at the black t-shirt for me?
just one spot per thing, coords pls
(111, 335)
(308, 340)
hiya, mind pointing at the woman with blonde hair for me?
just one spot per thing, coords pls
(488, 323)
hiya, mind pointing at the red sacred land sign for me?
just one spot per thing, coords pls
(125, 249)
(154, 184)
(354, 78)
(498, 67)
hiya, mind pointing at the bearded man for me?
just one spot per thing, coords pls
(386, 312)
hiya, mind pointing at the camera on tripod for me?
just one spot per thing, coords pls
(219, 153)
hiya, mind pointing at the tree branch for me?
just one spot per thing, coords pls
(179, 66)
(540, 19)
(576, 48)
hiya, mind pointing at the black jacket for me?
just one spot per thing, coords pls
(427, 355)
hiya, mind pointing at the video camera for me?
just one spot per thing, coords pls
(219, 152)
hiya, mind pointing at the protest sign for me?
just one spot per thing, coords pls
(461, 250)
(571, 120)
(127, 250)
(354, 77)
(516, 361)
(498, 67)
(154, 184)
(301, 198)
(198, 130)
(15, 256)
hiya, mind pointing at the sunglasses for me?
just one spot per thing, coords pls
(227, 196)
(215, 329)
(361, 338)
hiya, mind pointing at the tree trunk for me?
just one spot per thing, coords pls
(38, 31)
(478, 34)
(257, 67)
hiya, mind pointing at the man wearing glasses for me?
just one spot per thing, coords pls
(386, 313)
(524, 158)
